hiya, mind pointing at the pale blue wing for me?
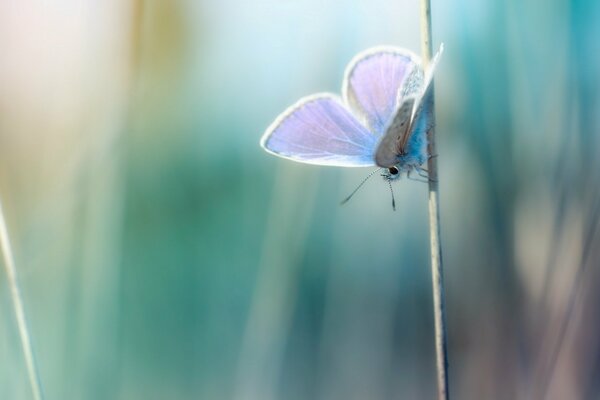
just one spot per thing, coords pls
(372, 82)
(319, 129)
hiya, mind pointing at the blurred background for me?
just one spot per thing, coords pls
(163, 255)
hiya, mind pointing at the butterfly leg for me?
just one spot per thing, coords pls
(423, 169)
(415, 179)
(424, 173)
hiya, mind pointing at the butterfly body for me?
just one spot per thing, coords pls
(381, 119)
(414, 154)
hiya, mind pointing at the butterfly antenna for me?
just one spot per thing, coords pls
(392, 192)
(359, 186)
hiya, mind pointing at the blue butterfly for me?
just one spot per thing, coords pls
(379, 121)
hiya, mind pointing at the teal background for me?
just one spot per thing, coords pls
(164, 255)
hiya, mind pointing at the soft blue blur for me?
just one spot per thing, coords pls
(164, 255)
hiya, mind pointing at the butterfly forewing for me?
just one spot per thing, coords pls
(319, 129)
(372, 81)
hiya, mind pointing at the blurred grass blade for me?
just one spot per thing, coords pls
(437, 276)
(13, 283)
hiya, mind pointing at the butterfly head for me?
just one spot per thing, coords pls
(405, 166)
(392, 173)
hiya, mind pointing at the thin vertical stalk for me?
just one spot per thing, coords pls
(13, 283)
(437, 276)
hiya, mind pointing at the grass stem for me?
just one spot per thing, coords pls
(439, 307)
(13, 283)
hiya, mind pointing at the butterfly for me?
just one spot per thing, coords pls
(380, 120)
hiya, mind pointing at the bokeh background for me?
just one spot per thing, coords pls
(163, 255)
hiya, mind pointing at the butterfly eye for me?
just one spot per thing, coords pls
(393, 170)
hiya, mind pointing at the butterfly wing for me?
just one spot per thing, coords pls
(320, 130)
(388, 148)
(372, 82)
(415, 141)
(400, 137)
(419, 105)
(431, 69)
